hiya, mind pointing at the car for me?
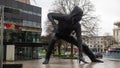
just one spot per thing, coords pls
(98, 54)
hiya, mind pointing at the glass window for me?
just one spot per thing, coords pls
(11, 10)
(21, 36)
(13, 21)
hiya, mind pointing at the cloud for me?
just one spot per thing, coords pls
(109, 12)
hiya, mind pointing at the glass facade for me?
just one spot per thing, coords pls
(22, 24)
(26, 53)
(20, 30)
(20, 21)
(17, 36)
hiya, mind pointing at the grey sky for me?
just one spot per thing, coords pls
(46, 5)
(107, 10)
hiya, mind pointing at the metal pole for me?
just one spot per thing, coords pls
(1, 36)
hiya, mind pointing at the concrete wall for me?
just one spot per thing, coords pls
(25, 1)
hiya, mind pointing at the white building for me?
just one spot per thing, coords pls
(116, 34)
(98, 43)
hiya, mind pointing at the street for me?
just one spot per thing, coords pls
(69, 63)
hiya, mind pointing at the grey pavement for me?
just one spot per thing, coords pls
(68, 63)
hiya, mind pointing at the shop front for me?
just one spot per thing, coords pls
(26, 44)
(27, 53)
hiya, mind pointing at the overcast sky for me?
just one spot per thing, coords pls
(107, 10)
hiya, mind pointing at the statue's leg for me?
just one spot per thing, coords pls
(72, 40)
(49, 50)
(89, 53)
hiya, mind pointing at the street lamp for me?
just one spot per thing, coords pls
(1, 35)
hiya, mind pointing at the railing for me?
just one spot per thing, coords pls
(113, 54)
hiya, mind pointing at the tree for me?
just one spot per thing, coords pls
(109, 41)
(88, 22)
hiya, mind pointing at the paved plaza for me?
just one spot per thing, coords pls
(69, 63)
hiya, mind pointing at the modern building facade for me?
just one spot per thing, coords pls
(22, 30)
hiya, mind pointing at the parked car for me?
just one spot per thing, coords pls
(98, 54)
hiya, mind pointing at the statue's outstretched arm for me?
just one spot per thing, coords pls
(56, 16)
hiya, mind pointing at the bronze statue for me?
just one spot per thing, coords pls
(67, 23)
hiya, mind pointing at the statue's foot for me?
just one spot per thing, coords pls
(98, 61)
(46, 62)
(83, 60)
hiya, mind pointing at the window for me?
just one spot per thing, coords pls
(31, 23)
(21, 36)
(11, 10)
(13, 21)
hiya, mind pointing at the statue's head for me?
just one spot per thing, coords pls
(76, 13)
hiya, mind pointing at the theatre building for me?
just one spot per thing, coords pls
(22, 30)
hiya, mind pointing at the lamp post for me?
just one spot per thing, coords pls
(1, 35)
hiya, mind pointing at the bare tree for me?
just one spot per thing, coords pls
(88, 22)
